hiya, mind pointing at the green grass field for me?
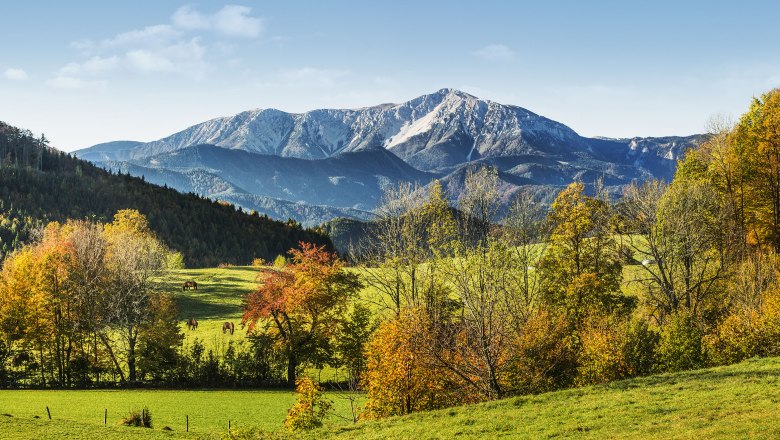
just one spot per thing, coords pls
(218, 299)
(733, 402)
(737, 401)
(75, 412)
(220, 294)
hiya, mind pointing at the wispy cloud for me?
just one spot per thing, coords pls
(495, 52)
(177, 47)
(92, 66)
(231, 21)
(15, 74)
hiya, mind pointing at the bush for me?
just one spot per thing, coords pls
(400, 377)
(747, 333)
(280, 261)
(680, 347)
(142, 419)
(545, 358)
(639, 348)
(259, 262)
(310, 407)
(601, 355)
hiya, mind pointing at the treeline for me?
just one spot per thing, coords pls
(669, 277)
(40, 184)
(83, 306)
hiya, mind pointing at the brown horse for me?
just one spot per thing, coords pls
(192, 323)
(228, 327)
(189, 285)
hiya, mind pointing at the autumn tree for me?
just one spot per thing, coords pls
(134, 259)
(393, 251)
(756, 142)
(684, 238)
(302, 304)
(414, 228)
(353, 334)
(581, 267)
(401, 377)
(526, 234)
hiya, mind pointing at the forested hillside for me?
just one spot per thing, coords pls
(40, 184)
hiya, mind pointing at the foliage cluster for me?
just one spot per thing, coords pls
(480, 306)
(39, 184)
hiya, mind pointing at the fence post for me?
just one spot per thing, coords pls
(105, 417)
(187, 423)
(48, 412)
(143, 416)
(228, 425)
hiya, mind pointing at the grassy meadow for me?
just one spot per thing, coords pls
(82, 411)
(736, 401)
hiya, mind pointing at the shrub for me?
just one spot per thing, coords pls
(746, 333)
(399, 377)
(137, 418)
(280, 261)
(310, 407)
(601, 355)
(680, 346)
(545, 358)
(259, 262)
(639, 348)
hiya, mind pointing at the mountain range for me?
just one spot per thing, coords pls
(330, 163)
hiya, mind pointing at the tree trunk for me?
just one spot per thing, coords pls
(292, 365)
(131, 370)
(113, 357)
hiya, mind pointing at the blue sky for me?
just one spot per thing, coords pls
(93, 71)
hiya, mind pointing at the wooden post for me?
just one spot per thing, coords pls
(48, 412)
(105, 417)
(143, 416)
(187, 423)
(228, 425)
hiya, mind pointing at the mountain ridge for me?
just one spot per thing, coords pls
(271, 153)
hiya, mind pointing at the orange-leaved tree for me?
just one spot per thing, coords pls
(401, 375)
(302, 304)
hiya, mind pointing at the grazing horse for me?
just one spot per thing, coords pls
(189, 285)
(228, 327)
(192, 324)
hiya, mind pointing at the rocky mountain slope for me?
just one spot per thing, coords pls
(343, 159)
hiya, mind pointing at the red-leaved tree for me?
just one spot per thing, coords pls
(302, 304)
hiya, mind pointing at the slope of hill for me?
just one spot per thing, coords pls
(352, 180)
(39, 184)
(213, 186)
(116, 150)
(737, 401)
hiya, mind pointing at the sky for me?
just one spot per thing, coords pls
(85, 72)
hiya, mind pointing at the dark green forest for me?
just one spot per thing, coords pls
(39, 184)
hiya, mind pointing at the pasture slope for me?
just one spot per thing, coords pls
(731, 402)
(737, 401)
(218, 299)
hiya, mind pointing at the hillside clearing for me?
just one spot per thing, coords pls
(737, 401)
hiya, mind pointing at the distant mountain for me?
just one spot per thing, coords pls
(350, 184)
(200, 181)
(117, 150)
(344, 158)
(39, 184)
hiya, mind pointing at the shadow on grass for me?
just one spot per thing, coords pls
(203, 308)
